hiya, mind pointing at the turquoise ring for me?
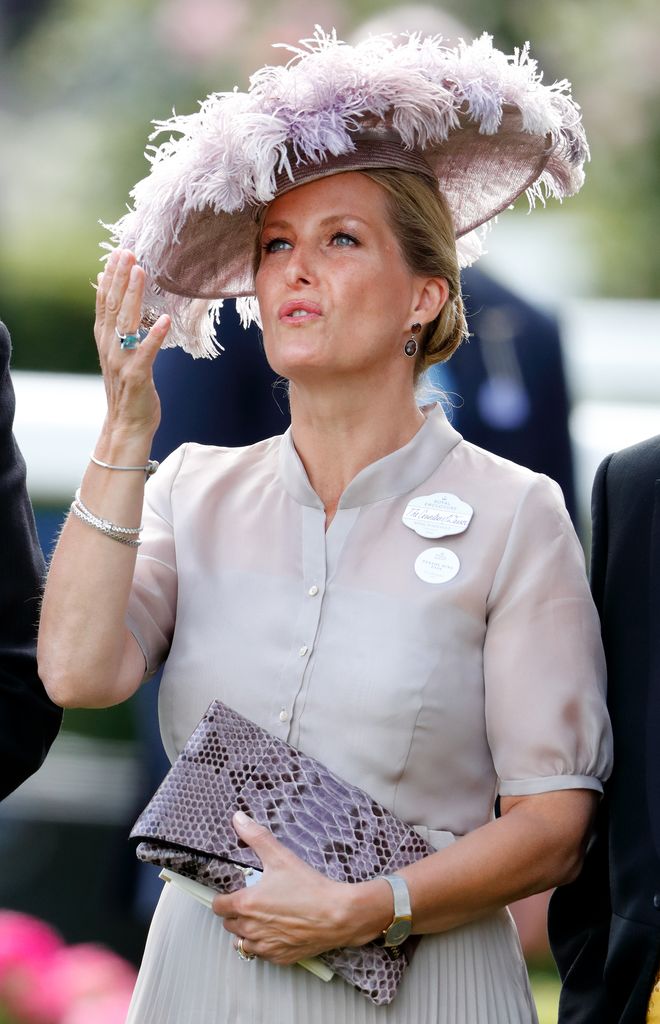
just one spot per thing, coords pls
(128, 340)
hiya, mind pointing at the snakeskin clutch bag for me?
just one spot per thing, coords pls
(231, 764)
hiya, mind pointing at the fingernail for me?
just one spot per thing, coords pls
(241, 818)
(134, 275)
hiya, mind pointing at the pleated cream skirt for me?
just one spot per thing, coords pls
(191, 974)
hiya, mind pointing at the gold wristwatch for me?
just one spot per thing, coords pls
(400, 928)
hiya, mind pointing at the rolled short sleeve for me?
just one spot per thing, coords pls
(544, 668)
(152, 603)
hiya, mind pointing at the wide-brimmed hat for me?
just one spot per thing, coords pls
(479, 122)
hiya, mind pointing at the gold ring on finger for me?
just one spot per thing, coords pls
(240, 949)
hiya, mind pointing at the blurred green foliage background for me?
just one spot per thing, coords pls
(80, 83)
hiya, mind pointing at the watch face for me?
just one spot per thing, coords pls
(397, 932)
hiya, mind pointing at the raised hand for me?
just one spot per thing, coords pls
(133, 404)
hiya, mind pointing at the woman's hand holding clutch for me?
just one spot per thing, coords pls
(294, 912)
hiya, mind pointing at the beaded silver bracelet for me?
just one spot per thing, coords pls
(123, 534)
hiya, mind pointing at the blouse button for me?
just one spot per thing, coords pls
(313, 591)
(284, 715)
(303, 651)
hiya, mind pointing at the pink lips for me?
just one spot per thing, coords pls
(310, 309)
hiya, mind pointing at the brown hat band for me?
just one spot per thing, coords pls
(373, 149)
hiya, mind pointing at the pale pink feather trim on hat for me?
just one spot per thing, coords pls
(192, 226)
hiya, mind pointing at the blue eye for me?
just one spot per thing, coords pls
(341, 238)
(276, 245)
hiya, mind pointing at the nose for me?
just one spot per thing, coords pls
(300, 265)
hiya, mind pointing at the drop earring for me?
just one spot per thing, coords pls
(410, 347)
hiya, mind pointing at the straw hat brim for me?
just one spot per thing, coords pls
(213, 256)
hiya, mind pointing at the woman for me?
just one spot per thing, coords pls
(403, 606)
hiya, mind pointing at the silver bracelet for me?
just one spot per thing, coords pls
(149, 469)
(123, 534)
(77, 511)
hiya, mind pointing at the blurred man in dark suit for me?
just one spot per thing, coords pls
(605, 926)
(231, 400)
(28, 719)
(510, 379)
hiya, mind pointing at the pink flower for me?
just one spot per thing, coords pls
(85, 972)
(27, 948)
(24, 940)
(42, 981)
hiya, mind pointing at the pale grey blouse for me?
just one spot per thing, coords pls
(435, 697)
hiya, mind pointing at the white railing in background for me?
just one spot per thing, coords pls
(612, 353)
(83, 780)
(58, 418)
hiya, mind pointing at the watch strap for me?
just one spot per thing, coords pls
(400, 926)
(401, 895)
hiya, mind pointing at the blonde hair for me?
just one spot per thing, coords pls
(422, 223)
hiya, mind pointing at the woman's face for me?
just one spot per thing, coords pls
(335, 294)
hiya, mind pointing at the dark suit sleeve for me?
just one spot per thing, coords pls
(580, 913)
(28, 719)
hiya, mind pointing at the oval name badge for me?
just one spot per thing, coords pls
(437, 515)
(437, 565)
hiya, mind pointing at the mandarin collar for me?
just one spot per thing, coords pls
(395, 474)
